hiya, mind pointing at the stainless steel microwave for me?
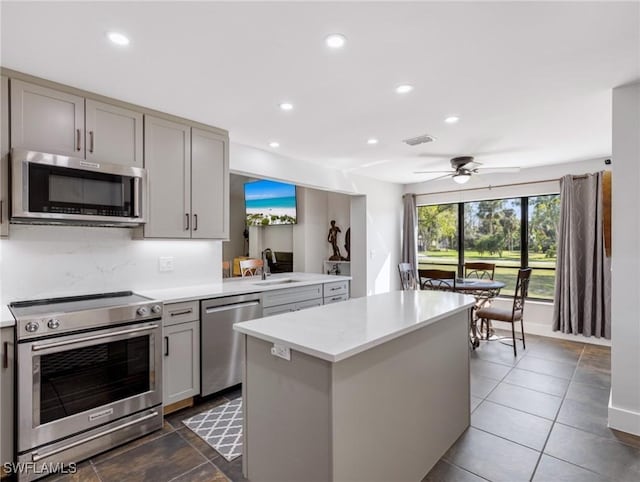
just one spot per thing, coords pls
(55, 189)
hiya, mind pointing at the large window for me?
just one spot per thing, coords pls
(512, 233)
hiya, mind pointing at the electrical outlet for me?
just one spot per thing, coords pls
(165, 264)
(281, 351)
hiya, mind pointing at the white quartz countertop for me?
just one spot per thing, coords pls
(228, 287)
(338, 331)
(239, 286)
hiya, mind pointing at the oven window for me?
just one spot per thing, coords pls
(86, 378)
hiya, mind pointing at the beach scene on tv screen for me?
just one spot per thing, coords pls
(270, 202)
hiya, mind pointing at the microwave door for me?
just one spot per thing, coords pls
(49, 189)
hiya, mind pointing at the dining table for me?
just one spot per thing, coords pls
(483, 290)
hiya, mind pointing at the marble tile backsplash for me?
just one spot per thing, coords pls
(43, 261)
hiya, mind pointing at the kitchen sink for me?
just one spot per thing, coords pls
(280, 281)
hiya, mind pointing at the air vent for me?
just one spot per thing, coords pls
(414, 141)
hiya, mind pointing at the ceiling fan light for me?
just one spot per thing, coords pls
(462, 178)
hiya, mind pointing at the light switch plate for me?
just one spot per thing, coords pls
(165, 264)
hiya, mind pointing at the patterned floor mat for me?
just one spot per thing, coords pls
(220, 427)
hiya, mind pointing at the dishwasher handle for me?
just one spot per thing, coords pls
(233, 306)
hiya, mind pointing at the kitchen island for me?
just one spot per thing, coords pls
(374, 388)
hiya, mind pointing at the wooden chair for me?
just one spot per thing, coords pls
(251, 267)
(479, 270)
(407, 276)
(437, 279)
(512, 315)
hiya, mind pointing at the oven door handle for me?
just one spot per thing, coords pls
(36, 456)
(44, 346)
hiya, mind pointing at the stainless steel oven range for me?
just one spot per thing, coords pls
(89, 376)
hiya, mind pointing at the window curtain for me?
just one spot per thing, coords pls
(583, 277)
(410, 231)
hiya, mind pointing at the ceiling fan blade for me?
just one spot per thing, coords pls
(496, 170)
(434, 172)
(439, 177)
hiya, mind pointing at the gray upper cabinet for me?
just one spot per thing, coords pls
(4, 156)
(46, 120)
(188, 171)
(113, 134)
(209, 184)
(168, 164)
(49, 120)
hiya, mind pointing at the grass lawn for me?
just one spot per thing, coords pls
(540, 286)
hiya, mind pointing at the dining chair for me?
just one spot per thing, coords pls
(437, 279)
(407, 276)
(513, 315)
(251, 267)
(479, 270)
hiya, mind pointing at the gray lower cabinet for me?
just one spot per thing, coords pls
(4, 156)
(188, 171)
(335, 292)
(291, 299)
(49, 120)
(181, 345)
(7, 417)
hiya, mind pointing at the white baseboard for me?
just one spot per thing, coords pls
(623, 419)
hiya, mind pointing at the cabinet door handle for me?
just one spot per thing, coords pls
(5, 355)
(166, 346)
(1, 206)
(91, 141)
(195, 222)
(187, 226)
(77, 139)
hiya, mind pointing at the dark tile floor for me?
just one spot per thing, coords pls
(541, 416)
(173, 454)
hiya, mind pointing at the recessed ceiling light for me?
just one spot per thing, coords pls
(452, 120)
(274, 144)
(372, 141)
(118, 38)
(404, 89)
(286, 106)
(335, 41)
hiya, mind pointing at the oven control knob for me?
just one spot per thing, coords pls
(32, 326)
(53, 323)
(156, 309)
(143, 311)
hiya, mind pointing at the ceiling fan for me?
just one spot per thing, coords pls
(463, 167)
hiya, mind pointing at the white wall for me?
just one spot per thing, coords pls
(310, 234)
(539, 315)
(624, 405)
(43, 261)
(236, 245)
(379, 251)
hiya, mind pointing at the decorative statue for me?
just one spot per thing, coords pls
(347, 244)
(333, 239)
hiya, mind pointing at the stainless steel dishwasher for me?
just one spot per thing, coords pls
(221, 349)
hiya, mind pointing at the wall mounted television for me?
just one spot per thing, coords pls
(269, 203)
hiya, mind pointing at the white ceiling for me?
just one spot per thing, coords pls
(531, 82)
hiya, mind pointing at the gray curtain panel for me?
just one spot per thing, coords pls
(410, 231)
(583, 275)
